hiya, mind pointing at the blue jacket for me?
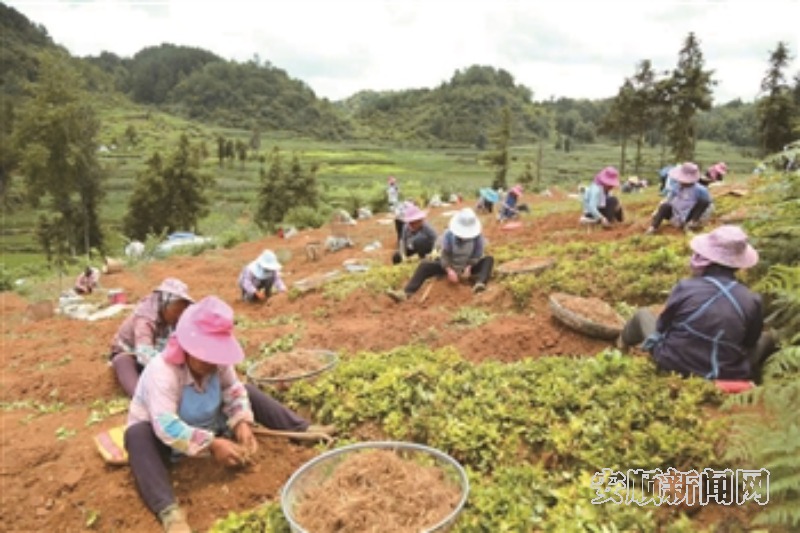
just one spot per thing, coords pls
(697, 312)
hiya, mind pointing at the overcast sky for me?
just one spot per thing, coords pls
(579, 49)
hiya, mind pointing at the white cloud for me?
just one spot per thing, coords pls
(557, 48)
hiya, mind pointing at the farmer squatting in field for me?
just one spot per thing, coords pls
(260, 276)
(598, 204)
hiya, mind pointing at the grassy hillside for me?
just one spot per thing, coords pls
(351, 172)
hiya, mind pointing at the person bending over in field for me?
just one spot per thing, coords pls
(259, 277)
(687, 201)
(417, 237)
(598, 204)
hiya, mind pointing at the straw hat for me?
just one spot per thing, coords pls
(726, 246)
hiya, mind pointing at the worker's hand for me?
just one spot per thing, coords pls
(245, 437)
(226, 451)
(467, 272)
(452, 275)
(604, 221)
(261, 295)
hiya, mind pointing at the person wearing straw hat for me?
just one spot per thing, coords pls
(259, 277)
(598, 204)
(190, 402)
(714, 173)
(462, 257)
(510, 209)
(487, 197)
(687, 201)
(143, 335)
(712, 324)
(417, 237)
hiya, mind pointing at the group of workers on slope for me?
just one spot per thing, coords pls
(175, 357)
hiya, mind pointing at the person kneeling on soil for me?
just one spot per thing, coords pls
(598, 204)
(190, 402)
(417, 237)
(259, 277)
(510, 209)
(87, 281)
(712, 324)
(143, 335)
(687, 201)
(461, 257)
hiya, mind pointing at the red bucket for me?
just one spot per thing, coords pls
(117, 296)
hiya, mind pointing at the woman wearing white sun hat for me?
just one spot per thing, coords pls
(712, 324)
(259, 277)
(462, 257)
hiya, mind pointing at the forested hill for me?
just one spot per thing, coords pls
(202, 86)
(466, 109)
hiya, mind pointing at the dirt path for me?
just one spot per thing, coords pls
(52, 484)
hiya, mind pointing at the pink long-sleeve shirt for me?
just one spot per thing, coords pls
(158, 396)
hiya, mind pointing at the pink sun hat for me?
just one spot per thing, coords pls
(608, 177)
(205, 331)
(516, 189)
(721, 168)
(726, 246)
(412, 213)
(175, 287)
(687, 173)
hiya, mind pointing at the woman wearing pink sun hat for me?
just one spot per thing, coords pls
(143, 335)
(598, 204)
(687, 203)
(712, 324)
(190, 402)
(417, 237)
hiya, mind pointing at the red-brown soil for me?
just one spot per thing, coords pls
(49, 484)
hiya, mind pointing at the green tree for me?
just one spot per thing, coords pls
(168, 196)
(643, 107)
(690, 93)
(55, 137)
(221, 150)
(619, 120)
(241, 151)
(776, 110)
(272, 198)
(499, 157)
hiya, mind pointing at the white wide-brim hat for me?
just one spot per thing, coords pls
(465, 224)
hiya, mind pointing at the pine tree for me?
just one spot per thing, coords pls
(499, 158)
(690, 93)
(168, 196)
(776, 110)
